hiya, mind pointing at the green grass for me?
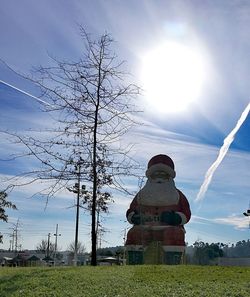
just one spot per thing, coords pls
(128, 281)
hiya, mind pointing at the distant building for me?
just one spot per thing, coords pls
(23, 258)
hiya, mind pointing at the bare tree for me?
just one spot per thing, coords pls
(80, 252)
(47, 248)
(91, 102)
(4, 203)
(80, 248)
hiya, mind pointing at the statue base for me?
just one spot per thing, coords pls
(154, 254)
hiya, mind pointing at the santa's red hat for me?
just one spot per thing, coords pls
(161, 163)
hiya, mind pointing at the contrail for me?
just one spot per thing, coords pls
(223, 150)
(28, 94)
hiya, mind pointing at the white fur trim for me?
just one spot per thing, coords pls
(183, 217)
(129, 217)
(173, 248)
(160, 167)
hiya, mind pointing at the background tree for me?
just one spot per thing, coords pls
(205, 252)
(4, 203)
(81, 249)
(91, 102)
(239, 250)
(46, 249)
(102, 205)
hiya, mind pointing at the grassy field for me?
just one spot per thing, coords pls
(128, 281)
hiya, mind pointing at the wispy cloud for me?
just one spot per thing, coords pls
(223, 151)
(238, 222)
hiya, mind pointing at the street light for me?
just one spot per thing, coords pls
(77, 189)
(247, 214)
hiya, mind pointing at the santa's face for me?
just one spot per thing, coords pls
(159, 190)
(160, 177)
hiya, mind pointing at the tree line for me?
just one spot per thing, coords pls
(202, 253)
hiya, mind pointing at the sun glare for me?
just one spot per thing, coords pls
(172, 76)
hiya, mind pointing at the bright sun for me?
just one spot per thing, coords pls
(172, 76)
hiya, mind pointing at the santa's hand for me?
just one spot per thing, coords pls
(136, 219)
(171, 218)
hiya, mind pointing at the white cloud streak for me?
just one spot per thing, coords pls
(223, 151)
(238, 222)
(25, 93)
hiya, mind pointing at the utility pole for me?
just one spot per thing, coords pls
(124, 246)
(56, 235)
(48, 245)
(100, 240)
(13, 240)
(79, 191)
(98, 229)
(77, 210)
(14, 236)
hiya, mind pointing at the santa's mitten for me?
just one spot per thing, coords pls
(171, 218)
(136, 219)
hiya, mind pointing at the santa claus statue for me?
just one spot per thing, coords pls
(158, 213)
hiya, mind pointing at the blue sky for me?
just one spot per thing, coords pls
(219, 29)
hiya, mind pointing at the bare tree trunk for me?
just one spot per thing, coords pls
(93, 212)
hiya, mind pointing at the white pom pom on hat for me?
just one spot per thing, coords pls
(161, 163)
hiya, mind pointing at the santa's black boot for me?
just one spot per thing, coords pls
(135, 257)
(172, 258)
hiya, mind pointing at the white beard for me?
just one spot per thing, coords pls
(158, 194)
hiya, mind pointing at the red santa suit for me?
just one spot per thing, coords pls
(159, 211)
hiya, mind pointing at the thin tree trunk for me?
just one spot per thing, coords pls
(93, 211)
(95, 180)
